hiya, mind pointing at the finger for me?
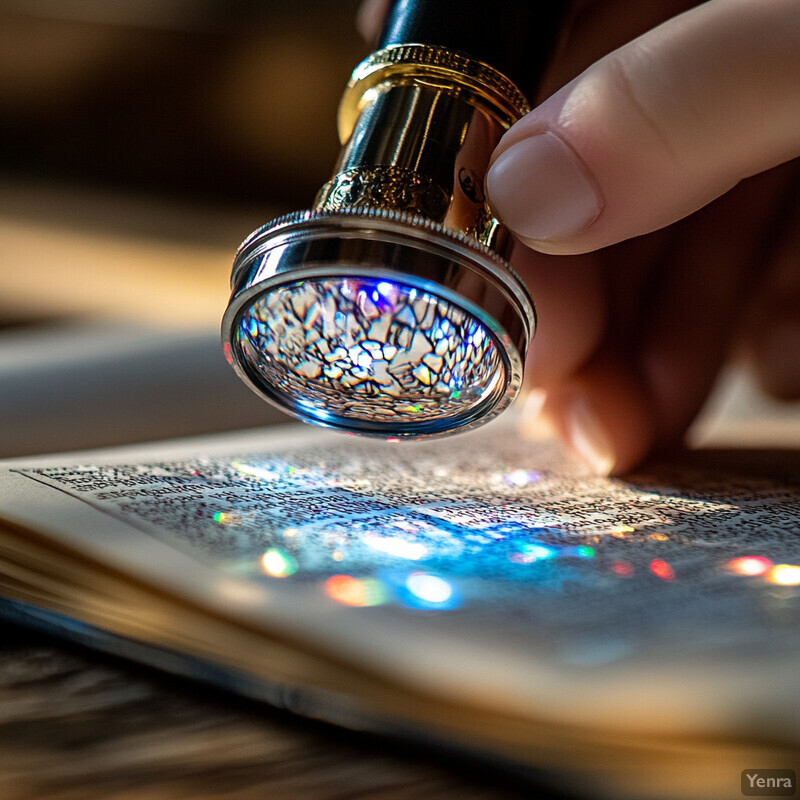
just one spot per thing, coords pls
(773, 343)
(602, 414)
(570, 301)
(656, 129)
(602, 410)
(369, 21)
(572, 295)
(671, 319)
(593, 29)
(699, 305)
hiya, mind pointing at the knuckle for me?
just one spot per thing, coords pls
(649, 101)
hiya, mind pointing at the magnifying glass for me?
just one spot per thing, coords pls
(389, 309)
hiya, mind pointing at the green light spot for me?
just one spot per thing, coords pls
(278, 563)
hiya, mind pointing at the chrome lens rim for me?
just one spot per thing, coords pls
(449, 266)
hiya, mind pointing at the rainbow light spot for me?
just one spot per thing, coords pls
(529, 553)
(520, 477)
(431, 589)
(359, 592)
(661, 569)
(749, 565)
(397, 547)
(622, 568)
(278, 564)
(784, 575)
(256, 471)
(621, 531)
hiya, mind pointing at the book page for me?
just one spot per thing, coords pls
(487, 564)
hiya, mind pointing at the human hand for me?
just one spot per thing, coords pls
(631, 336)
(633, 328)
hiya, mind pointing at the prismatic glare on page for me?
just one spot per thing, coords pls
(487, 523)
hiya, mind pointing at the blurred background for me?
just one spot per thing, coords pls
(140, 142)
(201, 100)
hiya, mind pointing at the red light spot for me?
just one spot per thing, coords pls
(393, 440)
(226, 348)
(661, 569)
(622, 568)
(750, 565)
(345, 589)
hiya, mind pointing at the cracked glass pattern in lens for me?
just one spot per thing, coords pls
(370, 350)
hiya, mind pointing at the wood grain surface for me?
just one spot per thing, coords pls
(75, 725)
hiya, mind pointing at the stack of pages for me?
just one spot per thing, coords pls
(634, 638)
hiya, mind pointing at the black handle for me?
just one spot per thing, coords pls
(515, 37)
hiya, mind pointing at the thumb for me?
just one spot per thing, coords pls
(655, 130)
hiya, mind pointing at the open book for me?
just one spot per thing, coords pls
(627, 638)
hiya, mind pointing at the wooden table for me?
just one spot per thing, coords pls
(75, 725)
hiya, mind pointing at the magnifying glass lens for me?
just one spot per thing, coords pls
(371, 355)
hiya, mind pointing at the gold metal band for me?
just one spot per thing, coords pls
(384, 186)
(418, 125)
(428, 64)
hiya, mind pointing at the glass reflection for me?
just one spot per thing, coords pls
(370, 350)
